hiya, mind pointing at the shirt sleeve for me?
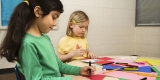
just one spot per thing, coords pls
(62, 46)
(32, 69)
(68, 69)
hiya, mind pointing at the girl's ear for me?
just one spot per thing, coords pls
(71, 25)
(37, 11)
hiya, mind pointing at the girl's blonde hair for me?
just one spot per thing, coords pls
(76, 17)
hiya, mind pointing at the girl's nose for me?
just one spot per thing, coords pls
(84, 29)
(54, 23)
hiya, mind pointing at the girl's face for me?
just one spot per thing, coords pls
(80, 29)
(46, 23)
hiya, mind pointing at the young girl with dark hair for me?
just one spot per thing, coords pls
(27, 43)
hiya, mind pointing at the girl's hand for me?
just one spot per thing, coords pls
(78, 52)
(84, 70)
(79, 78)
(92, 56)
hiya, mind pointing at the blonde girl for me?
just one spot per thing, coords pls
(74, 45)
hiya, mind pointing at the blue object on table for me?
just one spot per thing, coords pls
(7, 6)
(145, 69)
(110, 67)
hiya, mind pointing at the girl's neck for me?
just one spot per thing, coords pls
(75, 36)
(34, 30)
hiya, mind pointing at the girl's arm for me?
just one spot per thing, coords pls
(31, 67)
(78, 52)
(66, 57)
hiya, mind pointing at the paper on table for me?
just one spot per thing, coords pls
(150, 60)
(110, 67)
(145, 69)
(103, 62)
(91, 60)
(128, 61)
(140, 69)
(157, 71)
(130, 76)
(105, 58)
(101, 59)
(96, 77)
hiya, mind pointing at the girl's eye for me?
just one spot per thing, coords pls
(54, 18)
(80, 26)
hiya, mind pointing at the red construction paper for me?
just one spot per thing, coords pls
(105, 58)
(96, 77)
(103, 62)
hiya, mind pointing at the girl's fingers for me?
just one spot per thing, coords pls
(95, 56)
(92, 70)
(92, 56)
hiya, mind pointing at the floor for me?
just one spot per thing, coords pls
(8, 76)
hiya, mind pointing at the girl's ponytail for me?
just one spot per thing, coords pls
(17, 26)
(20, 22)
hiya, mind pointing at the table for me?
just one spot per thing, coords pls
(99, 68)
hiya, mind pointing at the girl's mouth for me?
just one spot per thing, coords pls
(51, 27)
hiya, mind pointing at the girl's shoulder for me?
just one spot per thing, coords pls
(66, 38)
(28, 38)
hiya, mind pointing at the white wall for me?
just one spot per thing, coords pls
(148, 41)
(111, 29)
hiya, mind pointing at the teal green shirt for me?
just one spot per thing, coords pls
(37, 60)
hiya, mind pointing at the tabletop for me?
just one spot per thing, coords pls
(99, 67)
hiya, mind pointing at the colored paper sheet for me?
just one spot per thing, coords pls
(101, 58)
(145, 69)
(122, 79)
(128, 61)
(157, 71)
(96, 77)
(90, 60)
(150, 60)
(105, 58)
(130, 76)
(110, 67)
(103, 62)
(140, 69)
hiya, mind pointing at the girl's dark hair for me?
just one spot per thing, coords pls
(21, 19)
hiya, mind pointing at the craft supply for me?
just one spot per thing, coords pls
(121, 63)
(89, 70)
(140, 63)
(96, 77)
(130, 69)
(103, 62)
(142, 74)
(128, 76)
(145, 78)
(108, 71)
(148, 63)
(152, 61)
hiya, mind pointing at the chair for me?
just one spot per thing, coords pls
(17, 73)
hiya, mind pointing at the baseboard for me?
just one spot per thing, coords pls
(7, 70)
